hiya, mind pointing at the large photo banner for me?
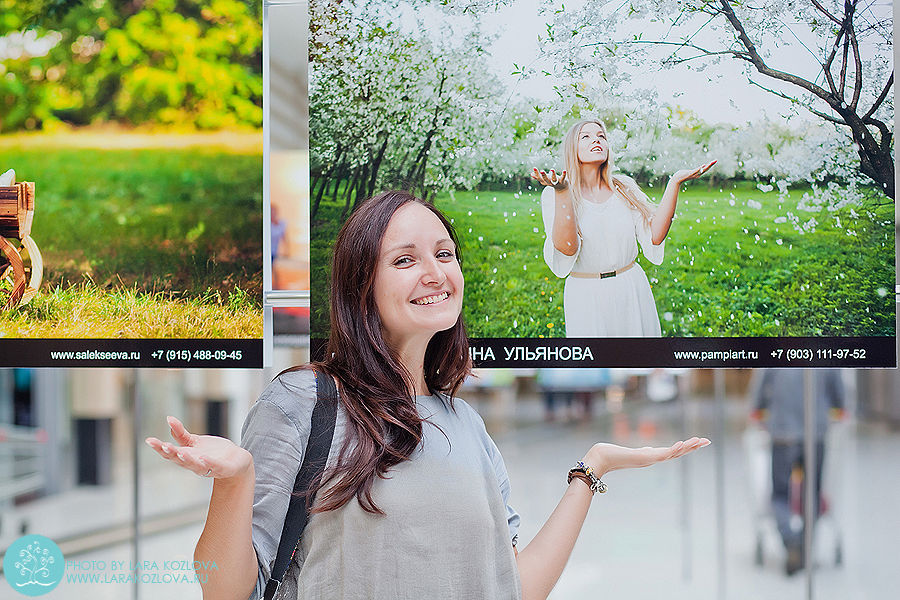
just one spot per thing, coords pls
(131, 195)
(748, 217)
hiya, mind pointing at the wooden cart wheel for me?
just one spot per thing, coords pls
(34, 268)
(12, 279)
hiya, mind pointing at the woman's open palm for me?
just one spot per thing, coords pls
(686, 174)
(610, 457)
(206, 455)
(552, 179)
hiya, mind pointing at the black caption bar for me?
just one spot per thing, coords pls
(702, 353)
(705, 353)
(168, 353)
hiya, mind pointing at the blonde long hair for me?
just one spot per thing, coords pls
(624, 185)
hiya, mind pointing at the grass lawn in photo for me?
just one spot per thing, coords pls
(142, 236)
(735, 266)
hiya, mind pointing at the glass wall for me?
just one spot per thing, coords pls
(78, 472)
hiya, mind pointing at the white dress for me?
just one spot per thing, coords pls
(620, 306)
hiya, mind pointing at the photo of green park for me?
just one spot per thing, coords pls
(791, 234)
(140, 127)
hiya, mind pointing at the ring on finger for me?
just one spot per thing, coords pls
(208, 473)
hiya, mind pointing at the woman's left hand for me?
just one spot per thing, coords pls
(604, 458)
(686, 174)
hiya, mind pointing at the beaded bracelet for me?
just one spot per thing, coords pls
(586, 474)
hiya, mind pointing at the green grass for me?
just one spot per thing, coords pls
(730, 269)
(176, 222)
(86, 312)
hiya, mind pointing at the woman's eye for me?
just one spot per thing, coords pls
(446, 254)
(402, 261)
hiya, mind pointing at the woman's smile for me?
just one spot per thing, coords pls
(432, 299)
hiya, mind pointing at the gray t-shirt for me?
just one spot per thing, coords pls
(447, 531)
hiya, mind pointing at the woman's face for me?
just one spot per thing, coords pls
(418, 280)
(593, 147)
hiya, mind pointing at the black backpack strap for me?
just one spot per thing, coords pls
(320, 436)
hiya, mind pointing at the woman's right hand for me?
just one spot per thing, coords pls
(205, 455)
(552, 179)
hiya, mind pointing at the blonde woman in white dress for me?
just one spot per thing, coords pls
(594, 221)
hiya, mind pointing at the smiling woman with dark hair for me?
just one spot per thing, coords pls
(414, 500)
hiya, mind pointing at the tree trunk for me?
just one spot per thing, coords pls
(376, 164)
(348, 192)
(361, 187)
(417, 172)
(338, 178)
(325, 180)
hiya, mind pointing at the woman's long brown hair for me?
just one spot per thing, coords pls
(375, 389)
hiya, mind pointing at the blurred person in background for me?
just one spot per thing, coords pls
(778, 406)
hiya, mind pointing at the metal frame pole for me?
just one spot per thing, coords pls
(719, 379)
(686, 538)
(136, 478)
(810, 501)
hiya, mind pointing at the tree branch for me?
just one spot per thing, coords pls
(818, 113)
(704, 53)
(857, 60)
(883, 130)
(822, 10)
(764, 69)
(884, 92)
(844, 55)
(829, 61)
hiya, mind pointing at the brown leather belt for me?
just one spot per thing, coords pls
(602, 275)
